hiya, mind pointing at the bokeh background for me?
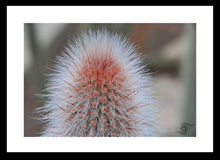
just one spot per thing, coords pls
(170, 50)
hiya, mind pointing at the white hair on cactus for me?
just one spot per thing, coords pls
(99, 87)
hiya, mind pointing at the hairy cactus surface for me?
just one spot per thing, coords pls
(99, 87)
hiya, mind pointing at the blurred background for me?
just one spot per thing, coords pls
(170, 50)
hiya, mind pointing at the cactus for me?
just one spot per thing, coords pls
(99, 87)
